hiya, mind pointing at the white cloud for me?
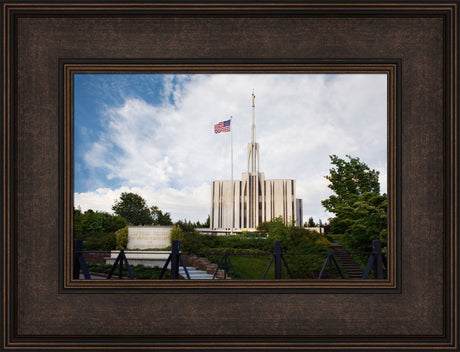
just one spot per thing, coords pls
(191, 203)
(170, 154)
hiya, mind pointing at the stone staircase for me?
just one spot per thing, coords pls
(201, 268)
(195, 274)
(347, 263)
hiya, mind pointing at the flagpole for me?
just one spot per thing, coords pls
(233, 191)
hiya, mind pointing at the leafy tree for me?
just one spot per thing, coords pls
(133, 208)
(207, 224)
(186, 225)
(77, 222)
(93, 222)
(359, 208)
(349, 179)
(97, 229)
(368, 221)
(160, 218)
(311, 222)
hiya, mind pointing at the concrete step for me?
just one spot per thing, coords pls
(195, 274)
(346, 261)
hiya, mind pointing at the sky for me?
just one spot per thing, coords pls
(153, 134)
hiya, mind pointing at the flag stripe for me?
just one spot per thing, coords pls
(223, 126)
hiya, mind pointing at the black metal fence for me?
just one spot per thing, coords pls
(376, 263)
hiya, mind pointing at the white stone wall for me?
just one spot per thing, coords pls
(147, 237)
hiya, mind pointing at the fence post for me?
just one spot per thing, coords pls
(225, 265)
(78, 260)
(120, 268)
(331, 272)
(277, 259)
(77, 248)
(377, 251)
(175, 259)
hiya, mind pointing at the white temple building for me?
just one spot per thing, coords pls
(253, 199)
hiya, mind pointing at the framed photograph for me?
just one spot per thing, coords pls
(111, 159)
(49, 47)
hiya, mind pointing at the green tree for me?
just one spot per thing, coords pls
(349, 179)
(133, 208)
(93, 222)
(77, 222)
(359, 208)
(311, 222)
(207, 224)
(160, 218)
(97, 229)
(186, 225)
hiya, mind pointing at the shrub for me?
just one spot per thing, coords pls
(323, 241)
(304, 250)
(263, 227)
(201, 244)
(100, 242)
(336, 238)
(139, 271)
(177, 234)
(122, 237)
(277, 230)
(305, 266)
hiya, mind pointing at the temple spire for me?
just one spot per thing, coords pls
(253, 147)
(253, 122)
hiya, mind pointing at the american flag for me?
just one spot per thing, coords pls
(223, 126)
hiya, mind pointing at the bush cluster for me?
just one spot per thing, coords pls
(121, 236)
(304, 250)
(97, 229)
(99, 242)
(199, 244)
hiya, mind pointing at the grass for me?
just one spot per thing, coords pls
(251, 267)
(254, 267)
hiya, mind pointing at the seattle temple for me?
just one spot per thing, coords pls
(253, 199)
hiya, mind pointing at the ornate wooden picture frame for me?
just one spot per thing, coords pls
(415, 44)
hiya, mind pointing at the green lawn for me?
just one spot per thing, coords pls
(253, 267)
